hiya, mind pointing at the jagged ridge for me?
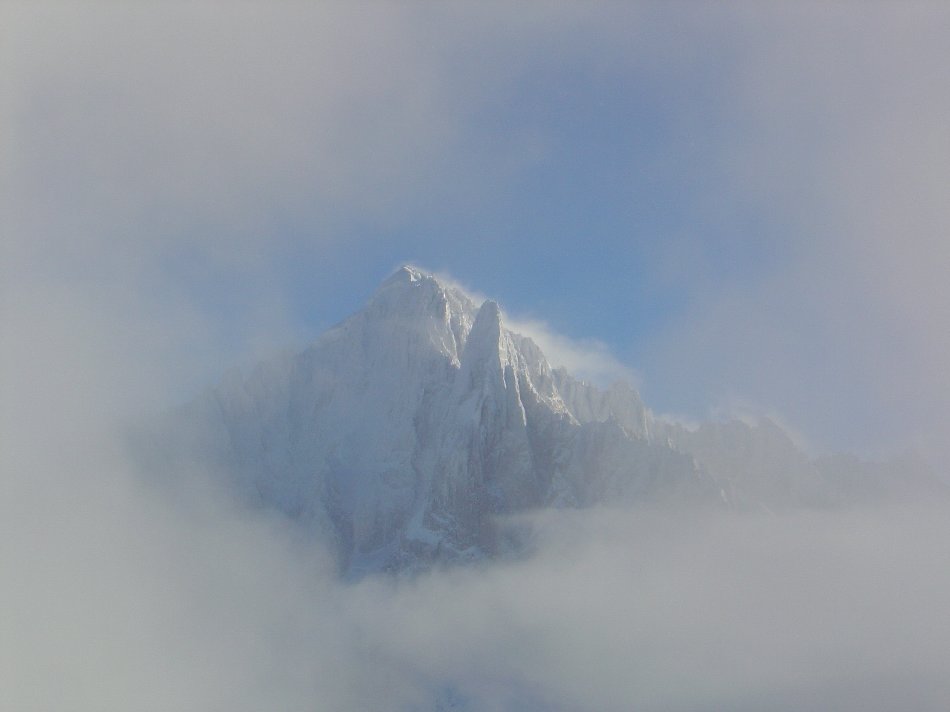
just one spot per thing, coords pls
(403, 432)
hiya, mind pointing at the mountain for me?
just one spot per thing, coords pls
(403, 433)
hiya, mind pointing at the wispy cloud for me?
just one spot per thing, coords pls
(588, 359)
(837, 148)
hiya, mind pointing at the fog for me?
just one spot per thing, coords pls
(118, 592)
(142, 177)
(117, 595)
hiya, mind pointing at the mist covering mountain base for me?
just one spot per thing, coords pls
(406, 433)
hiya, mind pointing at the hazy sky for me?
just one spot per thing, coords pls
(745, 205)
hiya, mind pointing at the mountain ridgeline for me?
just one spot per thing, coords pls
(403, 433)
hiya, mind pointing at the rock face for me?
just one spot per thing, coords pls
(403, 432)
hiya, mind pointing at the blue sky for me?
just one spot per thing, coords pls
(746, 206)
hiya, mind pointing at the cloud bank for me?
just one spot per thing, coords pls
(839, 151)
(118, 596)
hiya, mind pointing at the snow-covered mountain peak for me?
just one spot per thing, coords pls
(408, 275)
(409, 289)
(404, 431)
(411, 318)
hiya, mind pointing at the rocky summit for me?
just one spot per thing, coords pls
(403, 433)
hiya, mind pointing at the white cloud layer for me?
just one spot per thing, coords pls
(588, 359)
(840, 147)
(116, 596)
